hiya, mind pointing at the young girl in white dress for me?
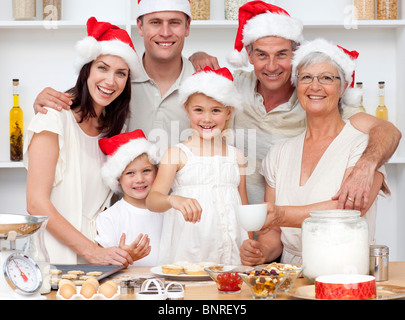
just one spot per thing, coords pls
(205, 175)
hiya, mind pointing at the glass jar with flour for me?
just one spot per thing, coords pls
(334, 242)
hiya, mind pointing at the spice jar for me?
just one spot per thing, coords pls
(334, 242)
(200, 9)
(232, 8)
(127, 287)
(387, 9)
(24, 9)
(52, 9)
(379, 258)
(364, 9)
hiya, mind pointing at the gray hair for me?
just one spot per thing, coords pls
(319, 57)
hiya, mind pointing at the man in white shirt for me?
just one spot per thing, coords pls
(164, 25)
(155, 108)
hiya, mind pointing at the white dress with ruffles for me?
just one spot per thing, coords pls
(214, 182)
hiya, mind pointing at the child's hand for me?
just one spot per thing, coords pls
(251, 253)
(190, 208)
(139, 248)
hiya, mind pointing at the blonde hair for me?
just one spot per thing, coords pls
(227, 123)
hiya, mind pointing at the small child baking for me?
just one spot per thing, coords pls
(206, 177)
(130, 169)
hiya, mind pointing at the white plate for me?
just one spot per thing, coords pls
(182, 276)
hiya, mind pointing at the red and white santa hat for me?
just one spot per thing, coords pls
(217, 84)
(105, 38)
(149, 6)
(122, 149)
(258, 19)
(344, 58)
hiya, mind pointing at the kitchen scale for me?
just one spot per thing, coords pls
(20, 275)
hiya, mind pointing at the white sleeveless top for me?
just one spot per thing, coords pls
(214, 182)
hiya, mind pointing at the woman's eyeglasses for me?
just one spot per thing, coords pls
(324, 78)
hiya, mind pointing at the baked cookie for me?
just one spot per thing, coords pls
(171, 269)
(94, 273)
(194, 269)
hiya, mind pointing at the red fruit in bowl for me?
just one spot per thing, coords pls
(229, 281)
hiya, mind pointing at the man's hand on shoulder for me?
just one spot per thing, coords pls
(200, 60)
(52, 99)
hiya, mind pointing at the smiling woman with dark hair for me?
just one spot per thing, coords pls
(113, 118)
(62, 153)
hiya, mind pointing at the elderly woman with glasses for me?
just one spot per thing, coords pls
(303, 173)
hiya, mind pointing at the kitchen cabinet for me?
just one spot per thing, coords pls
(40, 53)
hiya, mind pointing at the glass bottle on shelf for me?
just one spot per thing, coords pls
(232, 8)
(382, 111)
(360, 86)
(200, 9)
(16, 126)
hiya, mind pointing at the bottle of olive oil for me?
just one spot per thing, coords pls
(382, 111)
(361, 106)
(16, 126)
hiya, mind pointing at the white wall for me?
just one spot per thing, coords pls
(41, 58)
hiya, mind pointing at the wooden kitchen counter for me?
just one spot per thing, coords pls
(206, 290)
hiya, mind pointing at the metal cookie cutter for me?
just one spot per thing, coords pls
(129, 286)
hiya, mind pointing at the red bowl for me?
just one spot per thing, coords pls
(345, 287)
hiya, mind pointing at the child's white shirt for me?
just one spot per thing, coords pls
(123, 217)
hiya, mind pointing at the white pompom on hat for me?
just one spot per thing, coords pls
(150, 6)
(217, 84)
(344, 58)
(105, 38)
(258, 19)
(121, 150)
